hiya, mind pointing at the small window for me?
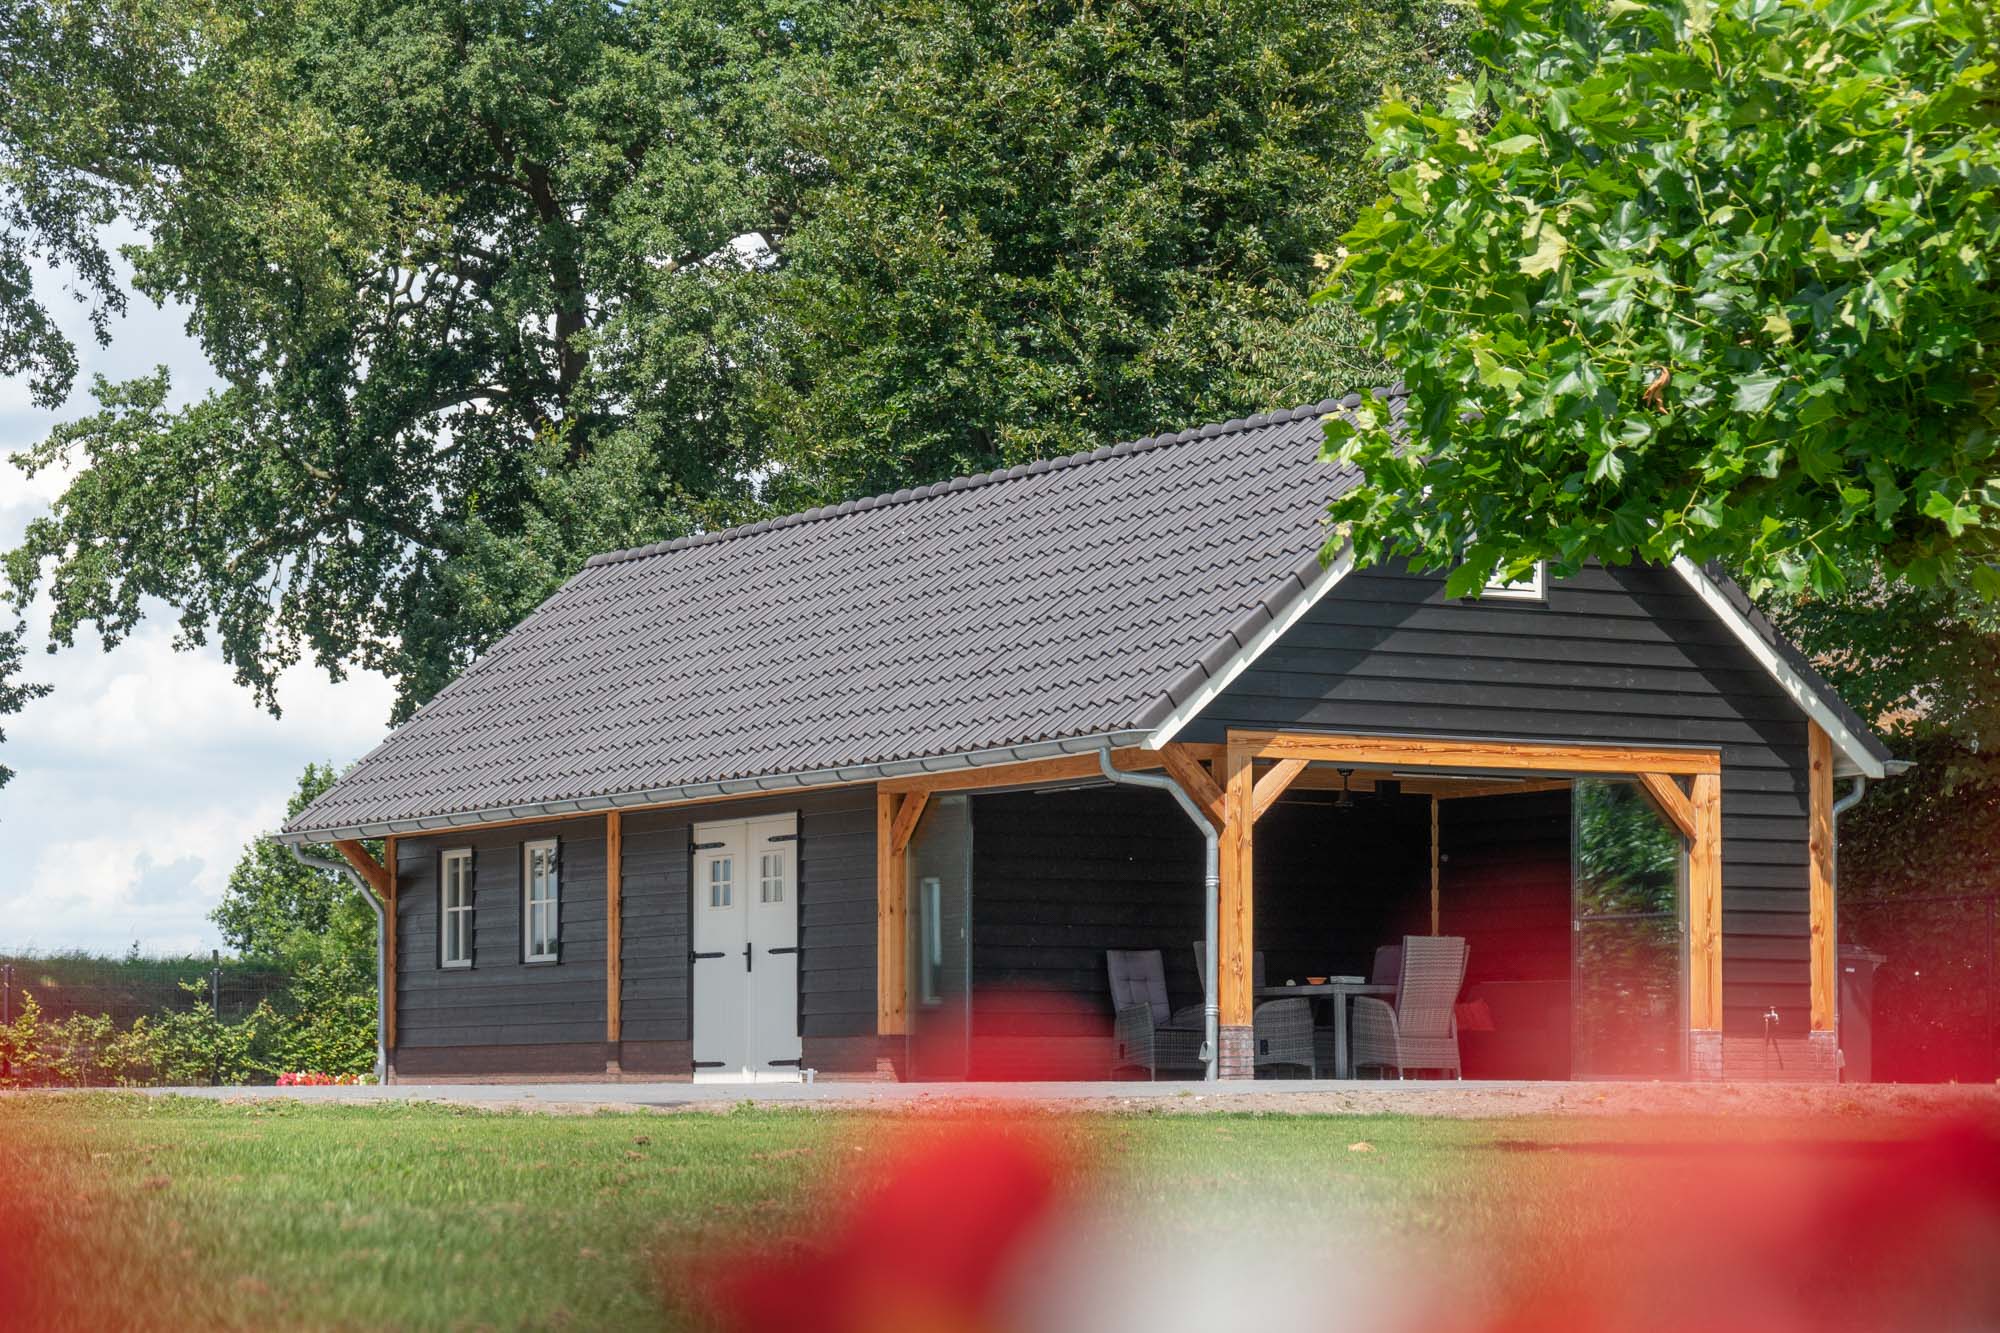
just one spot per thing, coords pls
(541, 914)
(1534, 588)
(771, 877)
(721, 881)
(455, 909)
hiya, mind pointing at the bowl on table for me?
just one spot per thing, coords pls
(1315, 981)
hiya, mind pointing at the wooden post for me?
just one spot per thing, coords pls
(390, 929)
(891, 939)
(614, 926)
(1434, 865)
(1235, 972)
(1705, 906)
(1825, 949)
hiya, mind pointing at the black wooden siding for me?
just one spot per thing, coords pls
(1615, 655)
(501, 1001)
(1060, 877)
(836, 902)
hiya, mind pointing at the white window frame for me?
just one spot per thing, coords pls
(550, 907)
(460, 857)
(1534, 588)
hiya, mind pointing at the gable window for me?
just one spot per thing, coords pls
(541, 910)
(1533, 588)
(455, 908)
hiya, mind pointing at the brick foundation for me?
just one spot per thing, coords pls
(1236, 1052)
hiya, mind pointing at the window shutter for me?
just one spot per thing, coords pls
(437, 862)
(472, 902)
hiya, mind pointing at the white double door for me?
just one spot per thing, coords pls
(746, 950)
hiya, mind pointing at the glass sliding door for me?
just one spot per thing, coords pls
(940, 943)
(1629, 935)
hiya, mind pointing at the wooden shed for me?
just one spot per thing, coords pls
(872, 790)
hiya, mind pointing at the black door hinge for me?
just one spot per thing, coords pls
(697, 957)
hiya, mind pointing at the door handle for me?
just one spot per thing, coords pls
(748, 955)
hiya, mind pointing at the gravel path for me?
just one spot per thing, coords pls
(1470, 1100)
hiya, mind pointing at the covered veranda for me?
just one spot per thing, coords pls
(1326, 846)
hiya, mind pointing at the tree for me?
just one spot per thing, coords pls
(468, 271)
(14, 693)
(496, 284)
(1700, 279)
(1048, 228)
(276, 910)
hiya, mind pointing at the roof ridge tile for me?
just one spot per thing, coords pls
(887, 499)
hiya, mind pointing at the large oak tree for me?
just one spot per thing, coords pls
(493, 284)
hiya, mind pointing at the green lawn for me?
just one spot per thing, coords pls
(179, 1212)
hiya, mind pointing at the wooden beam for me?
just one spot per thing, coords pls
(366, 866)
(891, 930)
(1028, 773)
(1673, 802)
(1183, 767)
(1452, 791)
(904, 826)
(390, 929)
(1436, 864)
(1236, 926)
(1705, 905)
(1825, 949)
(614, 926)
(1272, 785)
(1420, 752)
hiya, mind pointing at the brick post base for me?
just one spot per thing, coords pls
(1236, 1052)
(1704, 1055)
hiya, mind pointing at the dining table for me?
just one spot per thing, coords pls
(1335, 991)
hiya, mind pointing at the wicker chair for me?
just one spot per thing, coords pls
(1420, 1031)
(1281, 1029)
(1147, 1033)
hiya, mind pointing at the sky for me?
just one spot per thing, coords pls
(139, 780)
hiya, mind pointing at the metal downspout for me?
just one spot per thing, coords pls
(307, 859)
(1845, 803)
(1211, 881)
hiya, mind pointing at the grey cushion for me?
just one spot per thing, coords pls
(1139, 976)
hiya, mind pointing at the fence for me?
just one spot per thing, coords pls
(126, 988)
(1935, 997)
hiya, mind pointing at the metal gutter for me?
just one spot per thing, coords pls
(307, 859)
(701, 791)
(1211, 879)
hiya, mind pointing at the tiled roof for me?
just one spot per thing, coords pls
(1061, 601)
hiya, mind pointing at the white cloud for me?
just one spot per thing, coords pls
(140, 779)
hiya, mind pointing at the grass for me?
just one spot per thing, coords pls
(168, 1213)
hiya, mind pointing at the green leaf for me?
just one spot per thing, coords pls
(1550, 247)
(1754, 392)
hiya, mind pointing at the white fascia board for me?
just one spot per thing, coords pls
(1845, 743)
(1274, 629)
